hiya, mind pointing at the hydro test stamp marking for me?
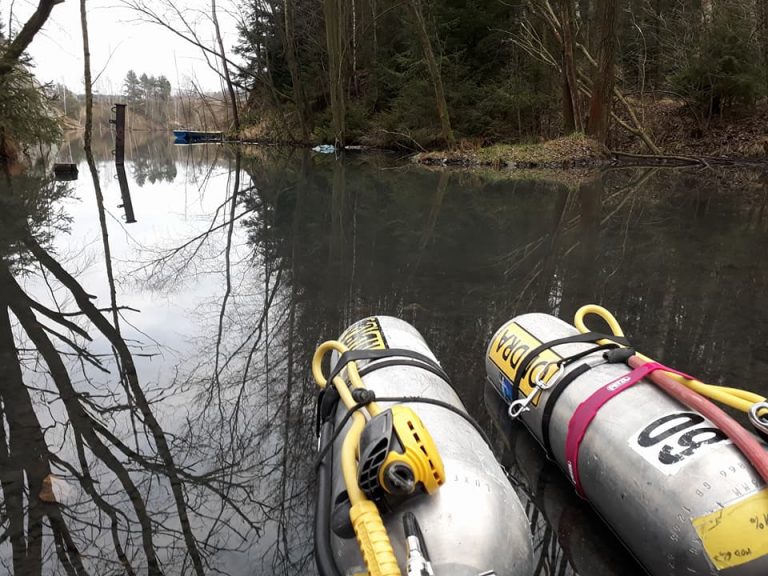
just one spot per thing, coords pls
(670, 442)
(511, 345)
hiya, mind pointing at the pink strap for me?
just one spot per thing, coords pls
(588, 409)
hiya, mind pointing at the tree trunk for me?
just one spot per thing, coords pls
(434, 73)
(375, 56)
(335, 19)
(572, 119)
(602, 84)
(24, 37)
(299, 96)
(225, 66)
(762, 26)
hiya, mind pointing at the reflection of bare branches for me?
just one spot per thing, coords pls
(99, 451)
(130, 374)
(227, 267)
(157, 268)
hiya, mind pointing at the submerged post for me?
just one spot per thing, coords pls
(125, 192)
(119, 122)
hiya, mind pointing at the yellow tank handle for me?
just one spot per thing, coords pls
(372, 538)
(736, 398)
(338, 382)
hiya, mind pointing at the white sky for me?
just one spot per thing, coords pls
(133, 44)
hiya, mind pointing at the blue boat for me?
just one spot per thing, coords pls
(196, 136)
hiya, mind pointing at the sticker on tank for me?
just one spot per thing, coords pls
(364, 335)
(511, 345)
(672, 441)
(737, 533)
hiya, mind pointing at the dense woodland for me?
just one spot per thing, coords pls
(434, 71)
(648, 75)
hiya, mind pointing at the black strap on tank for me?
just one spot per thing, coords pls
(611, 356)
(586, 337)
(554, 395)
(329, 397)
(398, 357)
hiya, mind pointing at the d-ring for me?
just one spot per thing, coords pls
(758, 421)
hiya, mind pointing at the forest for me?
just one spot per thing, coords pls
(650, 76)
(433, 72)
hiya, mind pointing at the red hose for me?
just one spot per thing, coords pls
(741, 437)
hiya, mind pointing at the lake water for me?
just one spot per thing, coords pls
(239, 263)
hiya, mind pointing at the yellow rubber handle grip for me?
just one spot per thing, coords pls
(373, 540)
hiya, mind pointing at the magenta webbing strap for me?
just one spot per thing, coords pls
(588, 409)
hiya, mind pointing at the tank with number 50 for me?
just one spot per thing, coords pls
(671, 485)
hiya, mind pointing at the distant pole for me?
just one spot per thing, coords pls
(119, 122)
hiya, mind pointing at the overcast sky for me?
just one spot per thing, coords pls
(119, 42)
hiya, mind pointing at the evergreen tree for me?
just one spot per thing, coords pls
(132, 88)
(509, 71)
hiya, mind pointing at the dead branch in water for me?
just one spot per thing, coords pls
(629, 159)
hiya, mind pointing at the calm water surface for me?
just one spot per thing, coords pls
(199, 459)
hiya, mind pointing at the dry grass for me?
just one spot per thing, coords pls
(575, 150)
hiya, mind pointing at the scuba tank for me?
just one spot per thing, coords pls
(670, 484)
(585, 541)
(436, 500)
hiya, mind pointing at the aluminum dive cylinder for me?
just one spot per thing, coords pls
(474, 524)
(670, 484)
(585, 541)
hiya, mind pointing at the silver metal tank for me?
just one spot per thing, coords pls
(475, 522)
(585, 541)
(679, 495)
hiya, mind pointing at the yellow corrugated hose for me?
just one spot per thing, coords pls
(742, 400)
(372, 538)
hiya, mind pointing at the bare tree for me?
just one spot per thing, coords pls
(25, 36)
(335, 35)
(176, 20)
(761, 8)
(534, 44)
(434, 72)
(225, 66)
(291, 58)
(603, 77)
(572, 117)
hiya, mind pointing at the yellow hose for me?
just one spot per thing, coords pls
(338, 382)
(372, 538)
(734, 397)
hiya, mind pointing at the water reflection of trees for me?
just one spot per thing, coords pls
(212, 469)
(252, 404)
(458, 253)
(90, 478)
(151, 157)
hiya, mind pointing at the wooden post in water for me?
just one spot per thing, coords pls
(125, 192)
(119, 122)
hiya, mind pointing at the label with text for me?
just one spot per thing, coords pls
(737, 533)
(511, 345)
(365, 334)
